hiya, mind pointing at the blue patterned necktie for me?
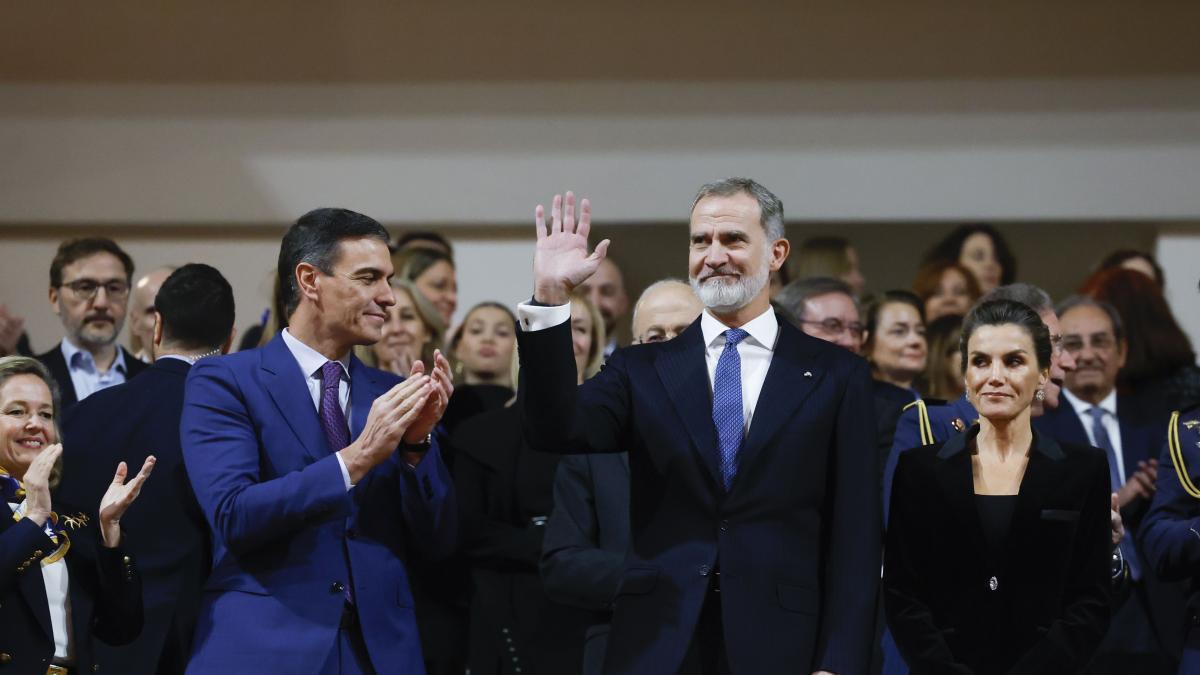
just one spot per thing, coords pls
(1100, 433)
(727, 405)
(333, 420)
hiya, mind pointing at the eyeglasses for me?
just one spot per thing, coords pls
(836, 327)
(86, 289)
(1099, 342)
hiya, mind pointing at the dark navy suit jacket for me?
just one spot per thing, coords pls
(127, 423)
(797, 538)
(288, 538)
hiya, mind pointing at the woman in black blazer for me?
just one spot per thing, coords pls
(998, 547)
(64, 578)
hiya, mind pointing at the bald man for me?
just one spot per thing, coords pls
(141, 311)
(583, 550)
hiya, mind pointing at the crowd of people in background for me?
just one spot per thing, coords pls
(542, 540)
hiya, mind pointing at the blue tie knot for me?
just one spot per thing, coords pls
(331, 375)
(735, 335)
(1097, 414)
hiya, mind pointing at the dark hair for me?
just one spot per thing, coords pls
(315, 239)
(942, 335)
(1114, 317)
(950, 248)
(791, 298)
(875, 308)
(929, 278)
(1027, 294)
(411, 263)
(425, 239)
(769, 206)
(77, 249)
(1118, 258)
(196, 305)
(1002, 313)
(1155, 344)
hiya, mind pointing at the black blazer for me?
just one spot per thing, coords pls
(168, 534)
(1043, 607)
(57, 365)
(104, 587)
(796, 538)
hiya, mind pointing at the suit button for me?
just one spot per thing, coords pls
(993, 584)
(5, 657)
(724, 525)
(337, 587)
(126, 560)
(705, 570)
(38, 554)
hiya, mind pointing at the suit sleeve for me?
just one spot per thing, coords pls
(118, 614)
(575, 570)
(907, 435)
(853, 537)
(223, 459)
(559, 416)
(428, 504)
(911, 621)
(1170, 532)
(1074, 636)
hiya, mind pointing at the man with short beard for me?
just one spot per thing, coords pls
(89, 291)
(606, 290)
(755, 535)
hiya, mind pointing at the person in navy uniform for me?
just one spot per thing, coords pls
(1170, 532)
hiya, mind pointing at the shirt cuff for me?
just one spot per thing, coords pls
(345, 471)
(535, 318)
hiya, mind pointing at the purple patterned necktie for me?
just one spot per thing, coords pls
(333, 420)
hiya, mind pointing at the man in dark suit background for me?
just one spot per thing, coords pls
(587, 534)
(755, 527)
(1092, 412)
(194, 314)
(89, 291)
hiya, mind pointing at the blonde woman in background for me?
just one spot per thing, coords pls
(413, 330)
(433, 274)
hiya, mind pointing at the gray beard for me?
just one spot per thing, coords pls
(723, 297)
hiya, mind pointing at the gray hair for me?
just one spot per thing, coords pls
(770, 207)
(1027, 294)
(1114, 317)
(669, 281)
(791, 298)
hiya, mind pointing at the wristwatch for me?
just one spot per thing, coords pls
(1117, 567)
(419, 447)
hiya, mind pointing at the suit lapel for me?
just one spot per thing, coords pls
(1040, 479)
(288, 390)
(684, 373)
(33, 588)
(957, 482)
(57, 363)
(791, 377)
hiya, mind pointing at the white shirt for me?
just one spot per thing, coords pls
(755, 350)
(1111, 425)
(54, 577)
(311, 362)
(84, 375)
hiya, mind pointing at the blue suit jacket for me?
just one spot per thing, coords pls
(287, 536)
(166, 530)
(797, 538)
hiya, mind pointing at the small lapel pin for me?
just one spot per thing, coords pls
(958, 424)
(808, 373)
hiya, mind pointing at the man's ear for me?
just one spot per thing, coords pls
(54, 301)
(779, 253)
(307, 280)
(1122, 352)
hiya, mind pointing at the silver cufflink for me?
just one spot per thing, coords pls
(808, 373)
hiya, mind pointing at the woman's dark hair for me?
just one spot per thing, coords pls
(950, 248)
(875, 308)
(1118, 258)
(943, 335)
(1002, 313)
(1156, 345)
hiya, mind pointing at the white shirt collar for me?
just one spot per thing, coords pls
(69, 350)
(763, 329)
(1108, 404)
(311, 361)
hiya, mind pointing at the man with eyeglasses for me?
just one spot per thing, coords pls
(89, 291)
(824, 308)
(1096, 414)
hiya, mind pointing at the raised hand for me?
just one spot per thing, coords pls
(435, 405)
(37, 484)
(118, 497)
(390, 417)
(561, 260)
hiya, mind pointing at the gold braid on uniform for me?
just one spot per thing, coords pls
(923, 422)
(1176, 450)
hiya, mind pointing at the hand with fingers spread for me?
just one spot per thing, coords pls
(1141, 483)
(561, 260)
(118, 498)
(391, 416)
(37, 484)
(439, 398)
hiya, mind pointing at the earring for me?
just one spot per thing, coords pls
(1040, 395)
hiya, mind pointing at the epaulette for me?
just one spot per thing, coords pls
(1176, 448)
(923, 422)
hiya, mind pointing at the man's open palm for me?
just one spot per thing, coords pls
(561, 260)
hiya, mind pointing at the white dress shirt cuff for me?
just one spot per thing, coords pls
(534, 317)
(345, 471)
